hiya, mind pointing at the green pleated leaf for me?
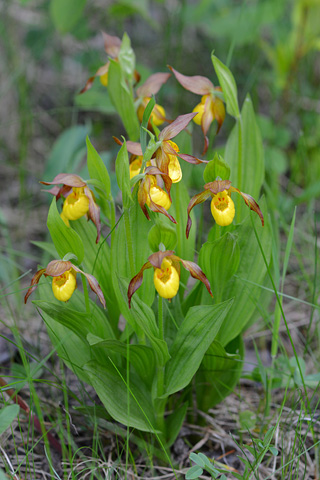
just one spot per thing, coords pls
(65, 239)
(127, 57)
(247, 172)
(113, 392)
(123, 175)
(7, 415)
(141, 357)
(251, 268)
(219, 261)
(97, 169)
(195, 335)
(122, 99)
(228, 85)
(219, 372)
(66, 13)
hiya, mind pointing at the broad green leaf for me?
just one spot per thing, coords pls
(122, 99)
(66, 13)
(247, 167)
(219, 372)
(220, 260)
(142, 319)
(97, 169)
(113, 392)
(65, 150)
(65, 239)
(228, 86)
(216, 168)
(195, 335)
(139, 230)
(194, 472)
(127, 57)
(251, 268)
(141, 357)
(123, 175)
(163, 232)
(7, 415)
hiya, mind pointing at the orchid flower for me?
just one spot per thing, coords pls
(166, 276)
(211, 106)
(64, 282)
(144, 93)
(222, 206)
(79, 199)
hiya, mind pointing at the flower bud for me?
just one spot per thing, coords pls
(166, 279)
(64, 285)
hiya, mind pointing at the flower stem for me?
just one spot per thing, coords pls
(160, 371)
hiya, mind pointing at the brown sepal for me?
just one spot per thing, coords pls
(250, 202)
(132, 147)
(195, 84)
(179, 124)
(156, 258)
(34, 283)
(218, 186)
(69, 179)
(136, 282)
(196, 200)
(157, 208)
(207, 119)
(112, 44)
(58, 267)
(153, 84)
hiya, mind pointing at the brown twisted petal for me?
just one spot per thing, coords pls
(157, 208)
(218, 186)
(101, 71)
(34, 283)
(207, 119)
(179, 124)
(250, 202)
(169, 150)
(196, 83)
(144, 188)
(95, 287)
(196, 200)
(197, 273)
(69, 179)
(153, 84)
(136, 282)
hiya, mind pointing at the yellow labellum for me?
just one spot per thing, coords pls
(157, 113)
(64, 285)
(135, 166)
(76, 204)
(104, 79)
(222, 208)
(160, 197)
(166, 279)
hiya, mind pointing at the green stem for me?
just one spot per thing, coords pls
(86, 293)
(160, 370)
(129, 241)
(239, 178)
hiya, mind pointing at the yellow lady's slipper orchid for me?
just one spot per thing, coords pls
(76, 204)
(222, 206)
(135, 165)
(174, 169)
(158, 114)
(64, 282)
(166, 276)
(211, 106)
(64, 285)
(166, 279)
(79, 199)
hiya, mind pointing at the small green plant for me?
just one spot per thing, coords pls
(202, 463)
